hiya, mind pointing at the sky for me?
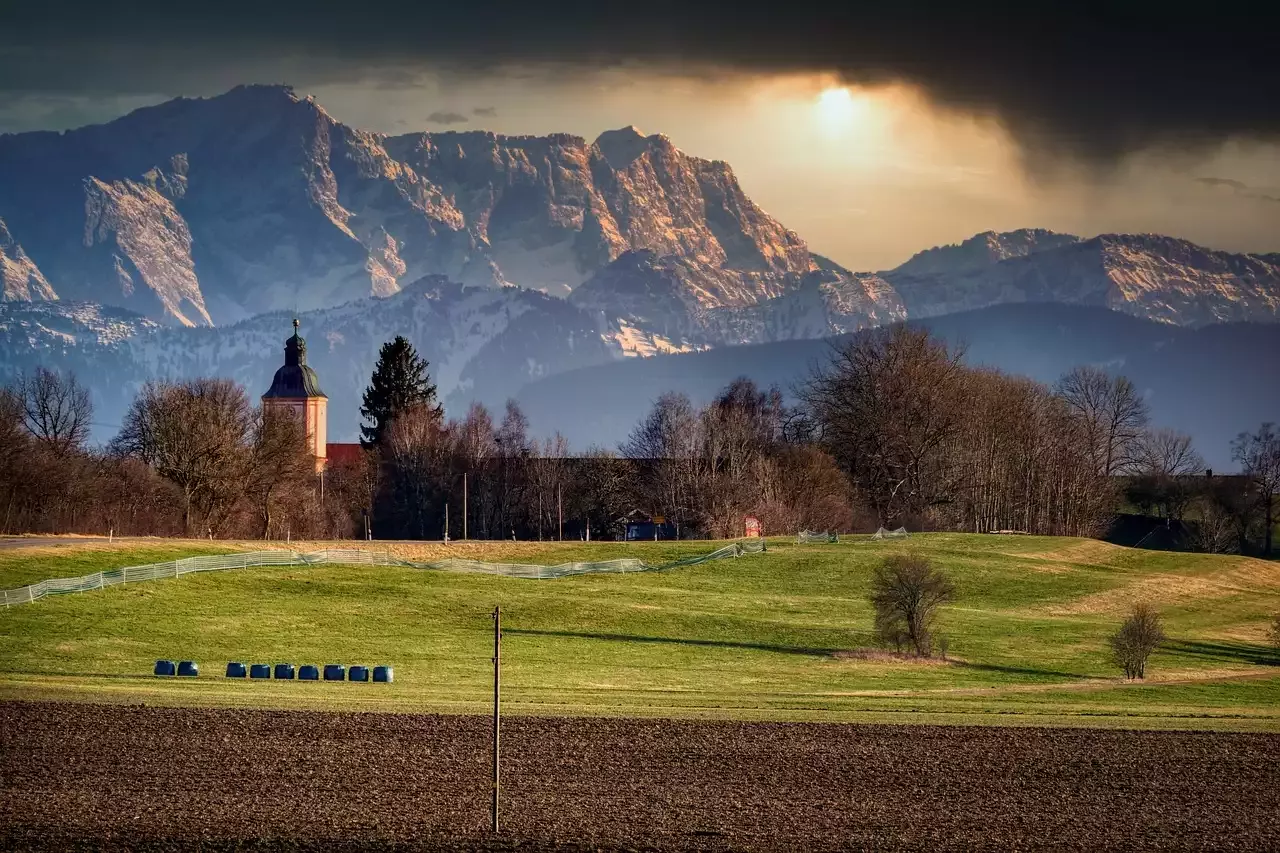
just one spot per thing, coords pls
(874, 131)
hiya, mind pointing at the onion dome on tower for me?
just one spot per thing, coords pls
(295, 380)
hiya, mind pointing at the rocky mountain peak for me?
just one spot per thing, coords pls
(983, 250)
(1147, 275)
(621, 147)
(288, 208)
(20, 279)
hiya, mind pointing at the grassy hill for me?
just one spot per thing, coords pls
(785, 634)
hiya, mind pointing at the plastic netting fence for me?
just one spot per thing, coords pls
(900, 533)
(350, 556)
(809, 537)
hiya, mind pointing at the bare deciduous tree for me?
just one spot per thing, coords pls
(802, 488)
(549, 480)
(1112, 414)
(417, 450)
(1259, 456)
(56, 409)
(195, 434)
(885, 407)
(1215, 529)
(906, 592)
(667, 448)
(1021, 462)
(739, 429)
(1139, 636)
(1164, 473)
(13, 441)
(279, 460)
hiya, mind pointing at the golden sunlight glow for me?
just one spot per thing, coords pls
(838, 108)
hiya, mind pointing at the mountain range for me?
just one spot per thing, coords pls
(181, 238)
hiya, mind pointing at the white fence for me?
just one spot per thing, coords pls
(809, 537)
(349, 556)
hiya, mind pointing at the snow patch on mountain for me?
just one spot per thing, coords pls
(634, 342)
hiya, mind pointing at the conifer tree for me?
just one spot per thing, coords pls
(399, 383)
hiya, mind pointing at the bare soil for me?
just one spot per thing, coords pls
(86, 777)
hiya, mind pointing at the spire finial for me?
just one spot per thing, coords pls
(295, 324)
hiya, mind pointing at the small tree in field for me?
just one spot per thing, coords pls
(906, 591)
(1275, 632)
(1139, 636)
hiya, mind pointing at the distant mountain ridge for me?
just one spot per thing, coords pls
(1146, 275)
(206, 211)
(982, 251)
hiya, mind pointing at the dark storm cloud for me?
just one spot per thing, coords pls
(1240, 188)
(1095, 80)
(485, 112)
(441, 117)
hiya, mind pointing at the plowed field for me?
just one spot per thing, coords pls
(113, 777)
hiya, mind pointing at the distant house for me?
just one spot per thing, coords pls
(642, 527)
(344, 454)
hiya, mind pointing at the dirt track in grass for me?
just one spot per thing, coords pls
(81, 777)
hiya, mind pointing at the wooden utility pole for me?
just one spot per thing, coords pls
(560, 513)
(464, 506)
(497, 727)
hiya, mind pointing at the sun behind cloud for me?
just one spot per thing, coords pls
(838, 108)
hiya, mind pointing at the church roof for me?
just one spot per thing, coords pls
(294, 380)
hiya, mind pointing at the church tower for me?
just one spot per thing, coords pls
(296, 391)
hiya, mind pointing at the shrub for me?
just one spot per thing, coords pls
(1139, 636)
(906, 591)
(1275, 632)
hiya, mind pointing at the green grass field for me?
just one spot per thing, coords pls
(782, 635)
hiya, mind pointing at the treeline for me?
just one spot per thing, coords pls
(895, 430)
(930, 443)
(702, 469)
(193, 458)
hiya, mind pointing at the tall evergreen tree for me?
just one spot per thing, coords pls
(399, 383)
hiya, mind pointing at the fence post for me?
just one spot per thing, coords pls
(497, 727)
